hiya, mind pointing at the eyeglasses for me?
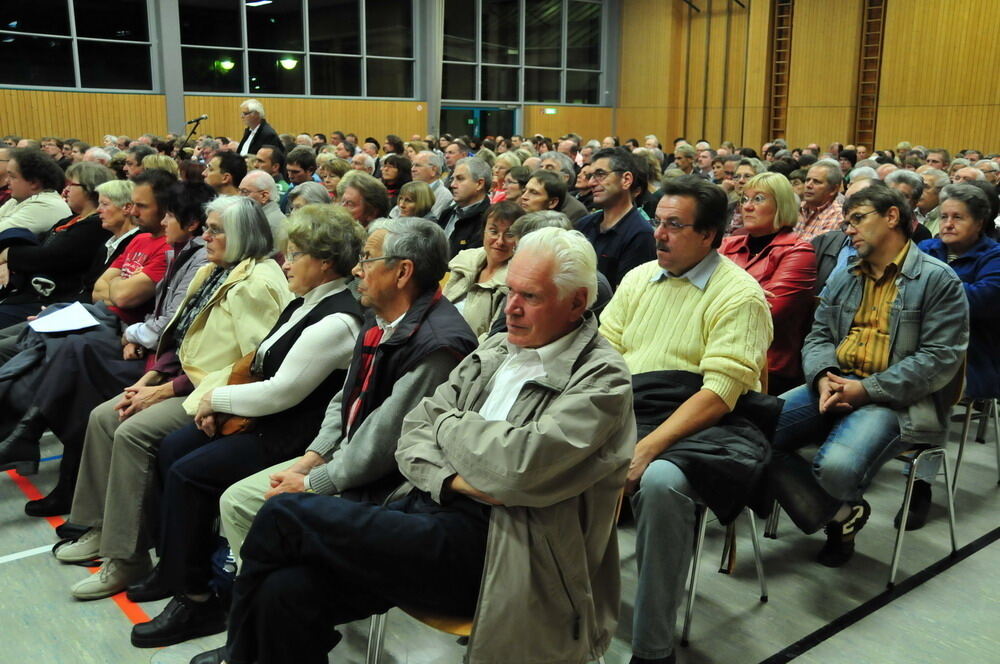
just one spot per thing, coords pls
(73, 184)
(759, 199)
(362, 261)
(742, 176)
(600, 176)
(854, 220)
(293, 256)
(214, 231)
(494, 233)
(672, 226)
(249, 192)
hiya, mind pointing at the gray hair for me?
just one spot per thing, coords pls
(90, 175)
(312, 192)
(686, 149)
(940, 178)
(541, 219)
(510, 160)
(993, 166)
(248, 233)
(119, 192)
(99, 155)
(574, 263)
(253, 106)
(263, 181)
(434, 159)
(593, 144)
(975, 200)
(863, 173)
(367, 158)
(565, 163)
(478, 170)
(421, 241)
(902, 176)
(327, 232)
(834, 175)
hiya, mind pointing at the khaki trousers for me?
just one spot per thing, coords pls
(241, 502)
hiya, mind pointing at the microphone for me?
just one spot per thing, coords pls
(197, 119)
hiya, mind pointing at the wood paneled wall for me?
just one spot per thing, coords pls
(587, 121)
(826, 38)
(940, 86)
(87, 116)
(294, 116)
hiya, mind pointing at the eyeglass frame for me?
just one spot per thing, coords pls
(857, 220)
(672, 226)
(600, 176)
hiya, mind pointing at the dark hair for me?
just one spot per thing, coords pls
(710, 199)
(622, 161)
(140, 151)
(554, 184)
(403, 166)
(396, 143)
(233, 164)
(807, 159)
(322, 137)
(339, 134)
(785, 166)
(508, 211)
(882, 197)
(192, 170)
(160, 180)
(36, 166)
(849, 155)
(799, 174)
(302, 156)
(748, 152)
(186, 201)
(520, 173)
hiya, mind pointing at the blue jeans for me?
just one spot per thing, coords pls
(852, 449)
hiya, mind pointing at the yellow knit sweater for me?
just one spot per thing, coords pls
(721, 333)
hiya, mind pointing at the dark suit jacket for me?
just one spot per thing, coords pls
(827, 246)
(266, 135)
(468, 233)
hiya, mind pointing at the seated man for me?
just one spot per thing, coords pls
(890, 332)
(516, 465)
(35, 204)
(694, 328)
(422, 338)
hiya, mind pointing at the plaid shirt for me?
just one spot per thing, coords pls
(830, 217)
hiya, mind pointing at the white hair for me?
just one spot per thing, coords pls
(573, 259)
(253, 106)
(369, 162)
(263, 181)
(99, 155)
(220, 204)
(434, 159)
(862, 173)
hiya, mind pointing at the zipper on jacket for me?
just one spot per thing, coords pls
(565, 587)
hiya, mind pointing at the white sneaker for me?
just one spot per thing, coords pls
(84, 549)
(114, 576)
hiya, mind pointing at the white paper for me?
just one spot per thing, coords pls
(67, 319)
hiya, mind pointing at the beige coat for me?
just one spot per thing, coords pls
(481, 300)
(237, 318)
(550, 587)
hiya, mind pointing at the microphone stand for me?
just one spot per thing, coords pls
(194, 128)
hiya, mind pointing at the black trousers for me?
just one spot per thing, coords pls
(311, 562)
(195, 471)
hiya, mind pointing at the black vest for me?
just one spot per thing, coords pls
(287, 434)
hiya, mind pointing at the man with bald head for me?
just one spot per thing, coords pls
(967, 174)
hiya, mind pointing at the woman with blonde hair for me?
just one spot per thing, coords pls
(782, 264)
(501, 167)
(415, 200)
(162, 162)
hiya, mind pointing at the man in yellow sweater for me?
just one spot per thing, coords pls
(694, 329)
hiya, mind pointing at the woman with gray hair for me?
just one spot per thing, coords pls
(364, 196)
(301, 364)
(308, 193)
(230, 305)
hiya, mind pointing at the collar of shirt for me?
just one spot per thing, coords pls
(463, 209)
(810, 211)
(113, 242)
(388, 327)
(698, 275)
(314, 296)
(859, 266)
(546, 354)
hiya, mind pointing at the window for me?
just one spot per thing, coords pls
(531, 51)
(336, 48)
(37, 39)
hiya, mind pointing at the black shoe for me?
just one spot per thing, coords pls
(56, 503)
(216, 656)
(70, 531)
(839, 545)
(920, 507)
(19, 450)
(150, 589)
(181, 620)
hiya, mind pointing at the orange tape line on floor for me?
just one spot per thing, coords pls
(131, 610)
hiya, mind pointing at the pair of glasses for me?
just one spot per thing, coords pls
(362, 261)
(213, 231)
(854, 220)
(759, 199)
(672, 226)
(599, 176)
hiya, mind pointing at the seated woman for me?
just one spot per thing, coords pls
(89, 368)
(302, 363)
(785, 267)
(330, 171)
(514, 183)
(231, 304)
(307, 193)
(415, 200)
(478, 283)
(59, 267)
(746, 169)
(501, 167)
(396, 171)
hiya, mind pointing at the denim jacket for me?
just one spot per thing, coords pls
(928, 337)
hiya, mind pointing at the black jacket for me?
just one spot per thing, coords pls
(724, 463)
(827, 246)
(468, 232)
(266, 135)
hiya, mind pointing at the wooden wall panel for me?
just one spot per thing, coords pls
(84, 115)
(754, 119)
(951, 101)
(302, 115)
(587, 121)
(823, 77)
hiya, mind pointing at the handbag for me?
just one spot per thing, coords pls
(240, 375)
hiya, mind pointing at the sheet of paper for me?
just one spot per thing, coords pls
(67, 319)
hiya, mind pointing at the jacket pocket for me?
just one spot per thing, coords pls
(907, 338)
(564, 587)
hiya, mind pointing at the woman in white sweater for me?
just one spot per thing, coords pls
(301, 364)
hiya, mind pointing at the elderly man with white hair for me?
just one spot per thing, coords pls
(98, 155)
(261, 187)
(515, 466)
(427, 167)
(258, 132)
(363, 162)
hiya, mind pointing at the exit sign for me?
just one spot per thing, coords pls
(550, 111)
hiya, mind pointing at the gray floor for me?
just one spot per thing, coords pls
(952, 618)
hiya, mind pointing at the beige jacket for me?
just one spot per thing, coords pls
(479, 301)
(550, 587)
(237, 318)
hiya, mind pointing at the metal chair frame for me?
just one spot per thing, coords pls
(701, 516)
(991, 411)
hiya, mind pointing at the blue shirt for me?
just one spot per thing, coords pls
(626, 245)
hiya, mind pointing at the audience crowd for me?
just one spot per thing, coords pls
(426, 373)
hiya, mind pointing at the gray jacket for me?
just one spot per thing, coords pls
(928, 336)
(550, 587)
